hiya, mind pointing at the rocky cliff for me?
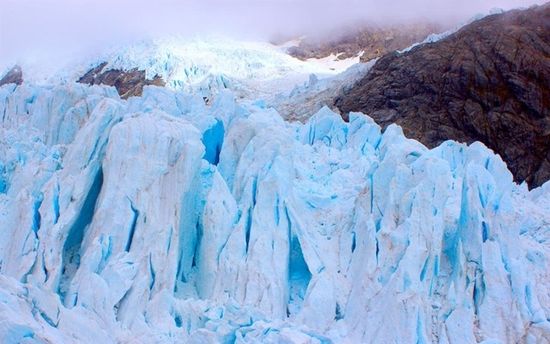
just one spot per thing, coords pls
(127, 83)
(13, 76)
(488, 82)
(371, 40)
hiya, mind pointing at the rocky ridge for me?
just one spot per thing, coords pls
(488, 82)
(13, 76)
(127, 83)
(372, 41)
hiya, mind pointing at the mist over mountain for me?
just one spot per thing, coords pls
(54, 30)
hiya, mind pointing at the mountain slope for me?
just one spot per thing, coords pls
(13, 76)
(488, 82)
(369, 41)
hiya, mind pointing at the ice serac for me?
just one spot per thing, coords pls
(170, 220)
(141, 167)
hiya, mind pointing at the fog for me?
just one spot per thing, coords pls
(57, 30)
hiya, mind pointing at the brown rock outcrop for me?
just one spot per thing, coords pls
(13, 76)
(488, 82)
(373, 41)
(127, 83)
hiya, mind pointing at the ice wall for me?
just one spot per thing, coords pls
(161, 219)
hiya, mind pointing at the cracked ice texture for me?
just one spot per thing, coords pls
(162, 219)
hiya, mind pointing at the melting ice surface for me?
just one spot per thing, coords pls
(160, 219)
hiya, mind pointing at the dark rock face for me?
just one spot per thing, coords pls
(373, 41)
(488, 82)
(13, 76)
(127, 83)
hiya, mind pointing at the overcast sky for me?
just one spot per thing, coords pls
(58, 29)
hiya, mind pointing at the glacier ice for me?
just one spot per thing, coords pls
(200, 65)
(162, 219)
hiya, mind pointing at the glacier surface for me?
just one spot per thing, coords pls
(199, 65)
(160, 219)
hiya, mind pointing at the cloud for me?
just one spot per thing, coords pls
(59, 29)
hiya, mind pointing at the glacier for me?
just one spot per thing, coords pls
(162, 219)
(201, 65)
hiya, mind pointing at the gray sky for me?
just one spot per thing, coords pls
(59, 29)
